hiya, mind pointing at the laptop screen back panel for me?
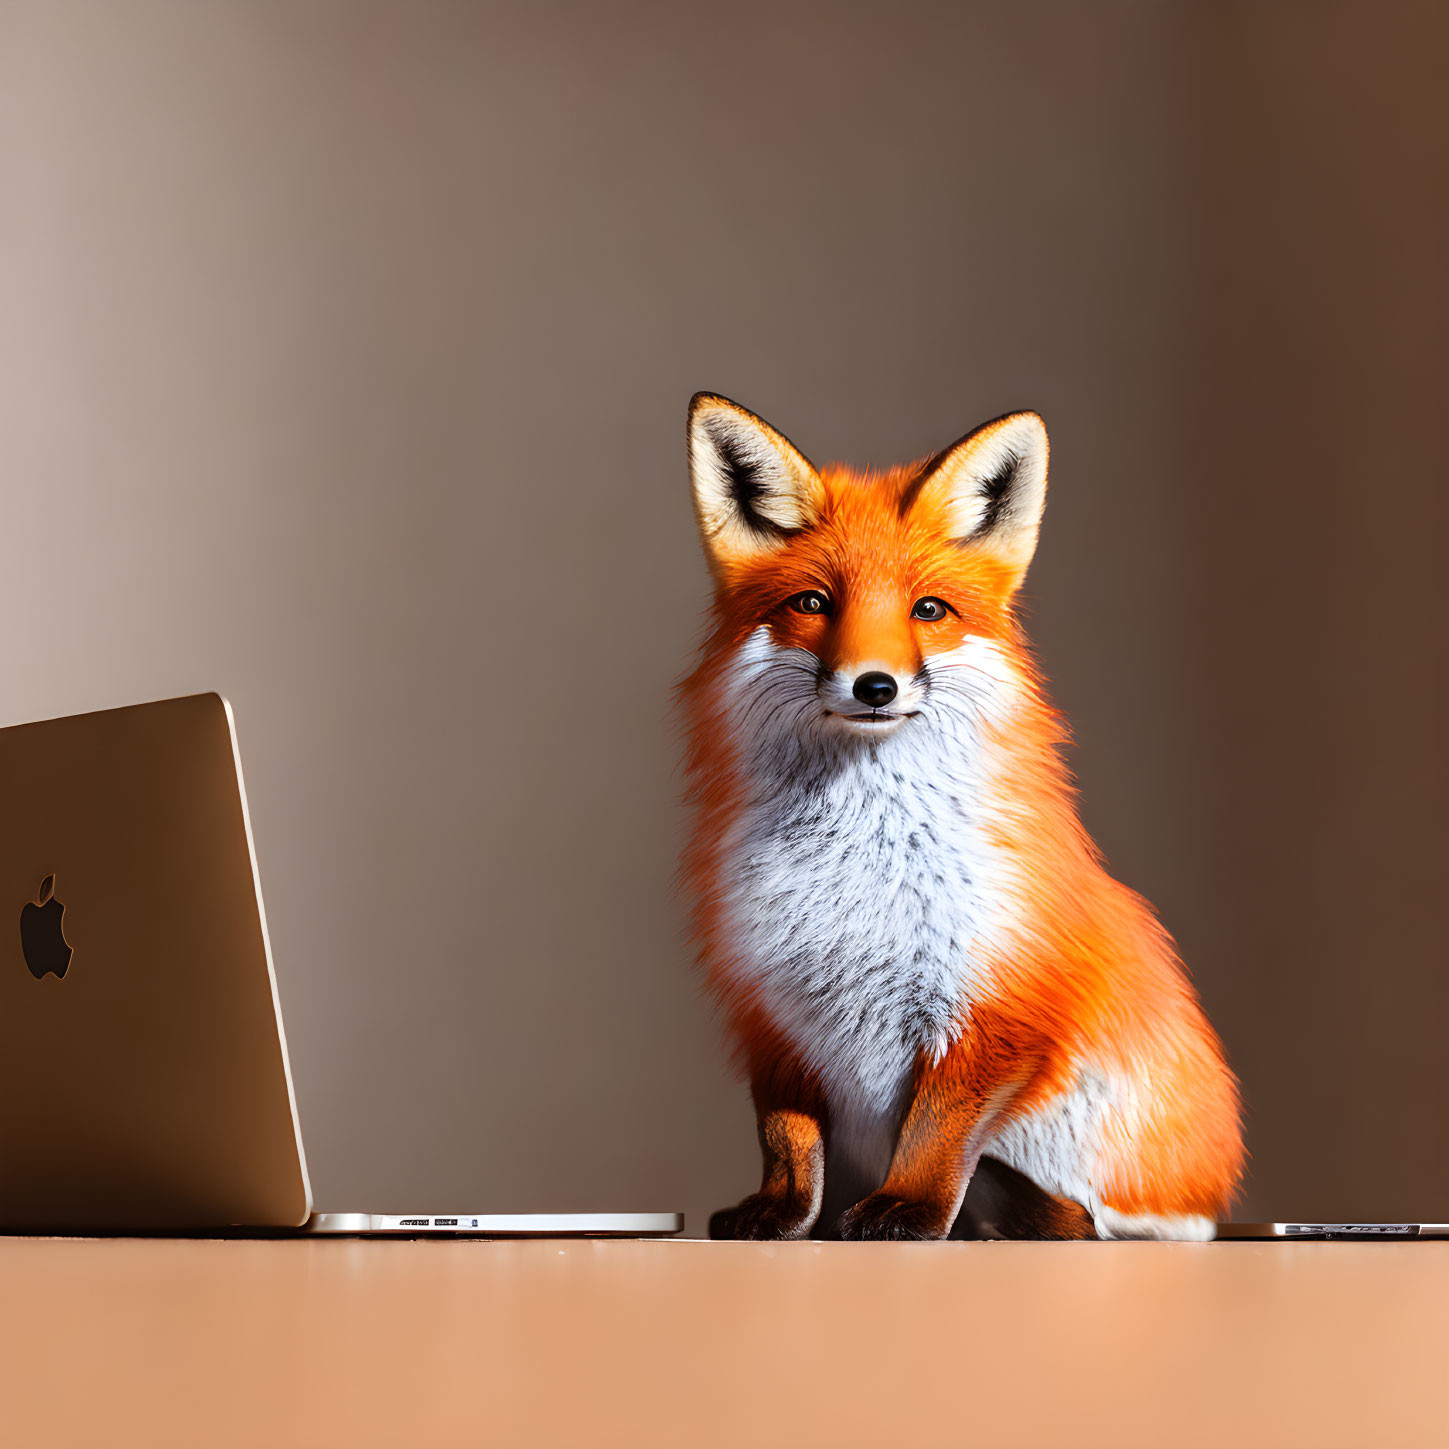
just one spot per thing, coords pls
(146, 1087)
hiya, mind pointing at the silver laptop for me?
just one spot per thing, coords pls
(1332, 1232)
(144, 1084)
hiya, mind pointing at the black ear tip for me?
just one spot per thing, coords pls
(697, 404)
(716, 400)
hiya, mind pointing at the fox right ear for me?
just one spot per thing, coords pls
(989, 489)
(753, 487)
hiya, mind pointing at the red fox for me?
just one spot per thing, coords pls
(922, 963)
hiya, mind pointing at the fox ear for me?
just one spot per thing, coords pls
(753, 487)
(991, 487)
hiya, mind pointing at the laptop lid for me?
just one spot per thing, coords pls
(143, 1069)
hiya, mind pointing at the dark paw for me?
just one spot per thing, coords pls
(760, 1219)
(881, 1219)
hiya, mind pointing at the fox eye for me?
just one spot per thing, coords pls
(930, 609)
(812, 601)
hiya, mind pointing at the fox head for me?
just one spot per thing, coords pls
(865, 602)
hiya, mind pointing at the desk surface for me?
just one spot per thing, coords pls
(684, 1344)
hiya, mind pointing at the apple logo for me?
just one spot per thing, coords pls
(42, 937)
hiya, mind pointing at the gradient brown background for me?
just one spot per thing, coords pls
(344, 351)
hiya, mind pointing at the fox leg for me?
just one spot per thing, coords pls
(1003, 1203)
(945, 1129)
(792, 1142)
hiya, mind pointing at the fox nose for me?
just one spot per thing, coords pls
(875, 689)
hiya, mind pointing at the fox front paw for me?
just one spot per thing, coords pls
(760, 1219)
(881, 1218)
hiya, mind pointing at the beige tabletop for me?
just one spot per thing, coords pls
(592, 1343)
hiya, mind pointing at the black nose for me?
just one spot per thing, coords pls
(875, 689)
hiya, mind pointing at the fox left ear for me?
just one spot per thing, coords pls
(753, 488)
(991, 487)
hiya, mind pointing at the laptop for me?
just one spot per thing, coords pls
(1332, 1232)
(144, 1082)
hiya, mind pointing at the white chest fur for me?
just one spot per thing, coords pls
(859, 885)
